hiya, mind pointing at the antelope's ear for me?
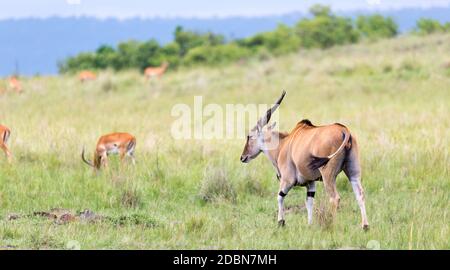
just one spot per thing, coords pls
(271, 126)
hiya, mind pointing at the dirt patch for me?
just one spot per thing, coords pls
(63, 216)
(60, 216)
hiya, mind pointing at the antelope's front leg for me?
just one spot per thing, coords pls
(284, 189)
(133, 159)
(122, 154)
(310, 192)
(104, 160)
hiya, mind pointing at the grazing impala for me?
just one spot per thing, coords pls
(4, 136)
(151, 72)
(15, 84)
(86, 75)
(307, 154)
(114, 143)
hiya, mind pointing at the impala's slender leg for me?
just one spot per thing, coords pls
(3, 146)
(131, 155)
(122, 154)
(130, 151)
(104, 159)
(310, 192)
(6, 150)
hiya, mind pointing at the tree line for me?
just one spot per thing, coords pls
(323, 29)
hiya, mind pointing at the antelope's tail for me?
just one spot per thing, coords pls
(317, 162)
(85, 160)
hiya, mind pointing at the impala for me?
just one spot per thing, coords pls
(86, 75)
(308, 154)
(150, 72)
(4, 136)
(114, 143)
(15, 84)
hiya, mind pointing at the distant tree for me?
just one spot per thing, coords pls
(213, 55)
(189, 39)
(148, 54)
(281, 40)
(325, 29)
(447, 27)
(376, 26)
(80, 62)
(428, 26)
(104, 57)
(318, 10)
(171, 53)
(128, 53)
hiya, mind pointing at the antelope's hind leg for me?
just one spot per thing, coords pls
(104, 160)
(329, 181)
(310, 192)
(353, 172)
(131, 155)
(128, 152)
(7, 152)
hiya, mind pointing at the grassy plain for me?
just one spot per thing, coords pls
(394, 95)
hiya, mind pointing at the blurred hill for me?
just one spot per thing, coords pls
(34, 46)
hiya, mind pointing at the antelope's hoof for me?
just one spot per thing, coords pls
(281, 223)
(365, 227)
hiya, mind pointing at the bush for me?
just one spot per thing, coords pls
(131, 198)
(108, 85)
(325, 29)
(280, 41)
(376, 26)
(428, 26)
(195, 224)
(80, 62)
(447, 27)
(213, 55)
(105, 56)
(188, 40)
(216, 186)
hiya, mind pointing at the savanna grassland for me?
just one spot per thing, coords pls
(393, 94)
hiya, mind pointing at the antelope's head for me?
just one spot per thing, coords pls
(258, 137)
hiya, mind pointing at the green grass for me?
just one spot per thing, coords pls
(393, 94)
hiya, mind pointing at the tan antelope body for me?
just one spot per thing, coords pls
(307, 154)
(86, 75)
(151, 72)
(4, 136)
(115, 143)
(15, 84)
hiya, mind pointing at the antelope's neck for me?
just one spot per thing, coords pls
(272, 154)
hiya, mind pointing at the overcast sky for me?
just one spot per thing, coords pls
(190, 8)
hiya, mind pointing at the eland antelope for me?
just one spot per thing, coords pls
(4, 136)
(308, 154)
(114, 143)
(150, 72)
